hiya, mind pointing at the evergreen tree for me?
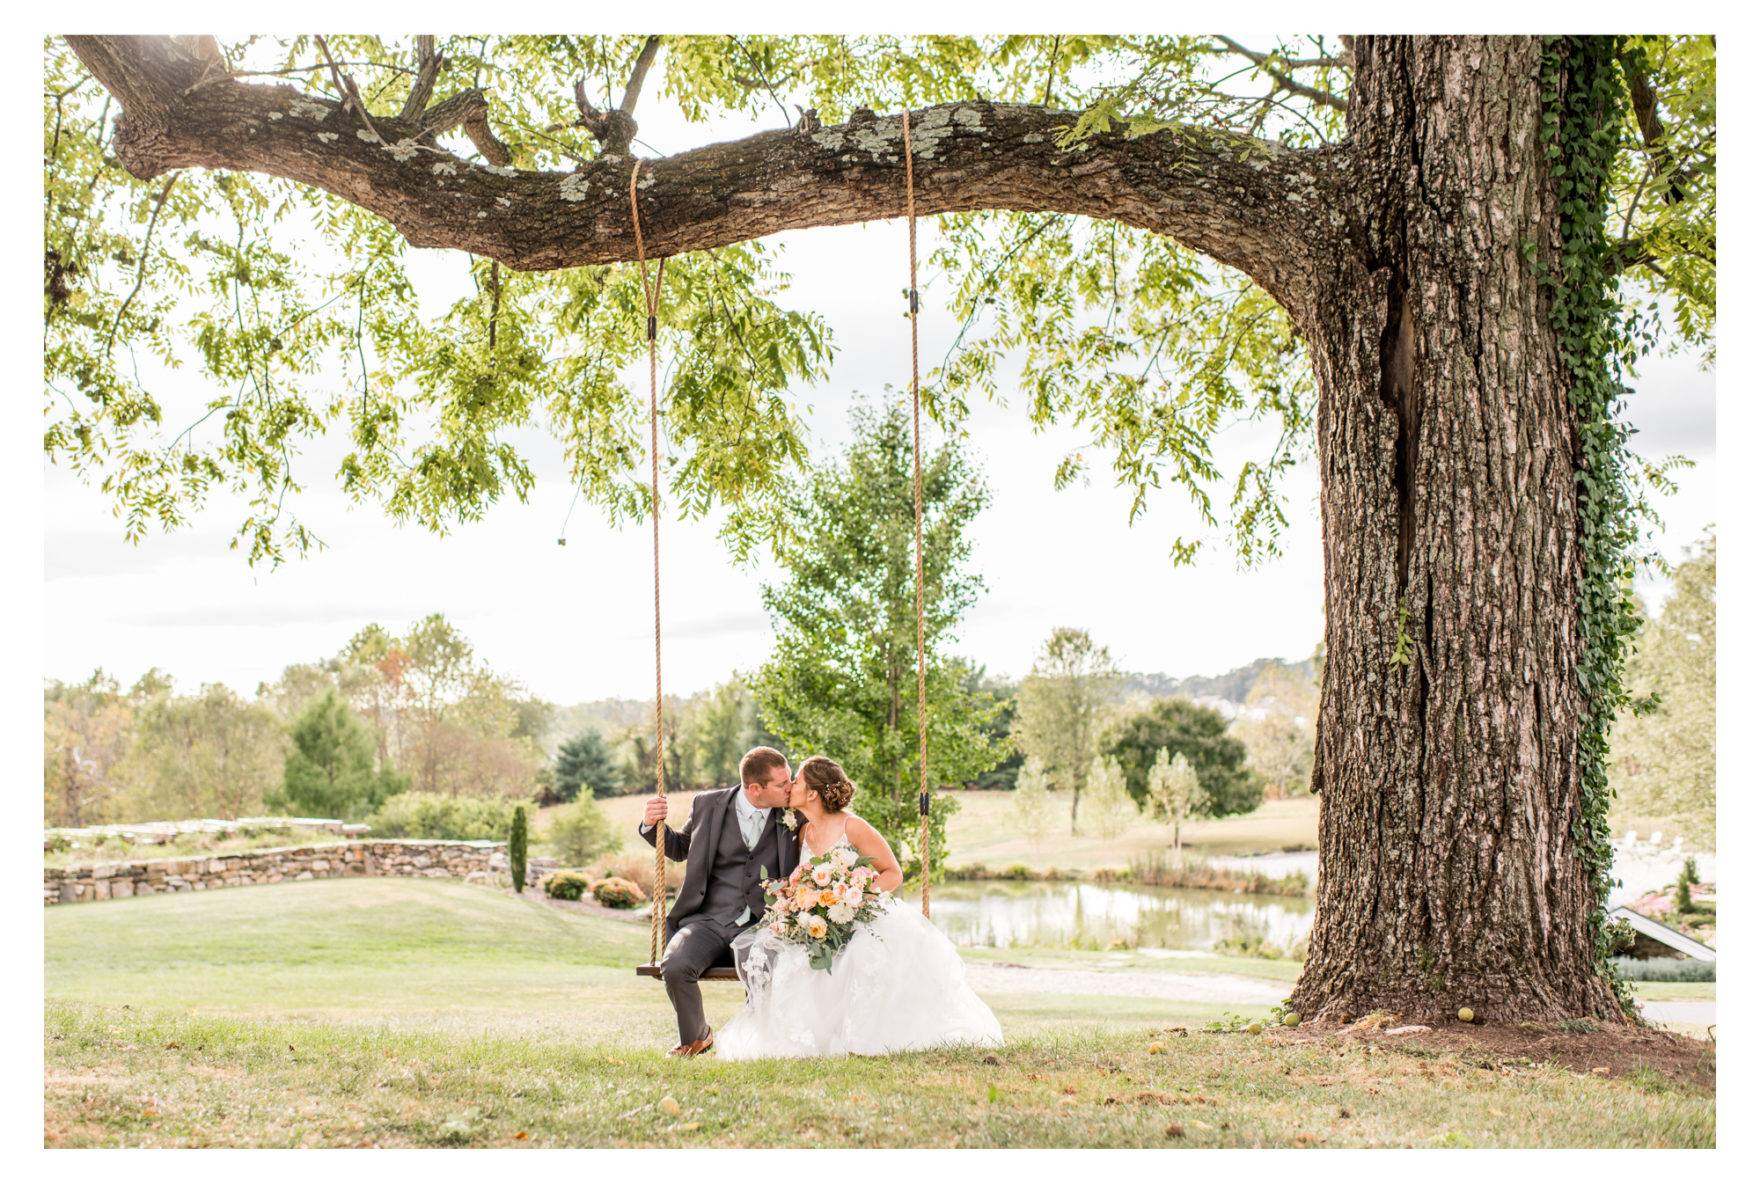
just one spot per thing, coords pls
(843, 678)
(584, 768)
(516, 849)
(329, 770)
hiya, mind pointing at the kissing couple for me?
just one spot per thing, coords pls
(898, 983)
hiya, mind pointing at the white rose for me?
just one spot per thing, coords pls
(822, 874)
(852, 899)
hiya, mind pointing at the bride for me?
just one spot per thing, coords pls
(898, 985)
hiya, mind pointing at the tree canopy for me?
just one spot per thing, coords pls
(169, 241)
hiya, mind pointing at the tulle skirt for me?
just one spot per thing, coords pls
(899, 985)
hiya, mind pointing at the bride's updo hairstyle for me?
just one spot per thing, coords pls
(825, 777)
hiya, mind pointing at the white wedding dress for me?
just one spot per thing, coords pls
(898, 985)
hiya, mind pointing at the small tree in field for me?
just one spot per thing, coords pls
(516, 849)
(329, 768)
(1062, 706)
(1032, 801)
(580, 832)
(1174, 793)
(1109, 802)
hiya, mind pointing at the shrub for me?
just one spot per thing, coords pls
(1665, 969)
(581, 833)
(435, 816)
(516, 848)
(1683, 895)
(565, 885)
(617, 893)
(637, 869)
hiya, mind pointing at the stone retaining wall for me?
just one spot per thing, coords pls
(435, 859)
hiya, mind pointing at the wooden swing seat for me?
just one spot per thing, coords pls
(718, 973)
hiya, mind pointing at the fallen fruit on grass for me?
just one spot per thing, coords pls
(1292, 1020)
(669, 1106)
(1175, 1131)
(1157, 1048)
(1466, 1014)
(690, 1127)
(1255, 1028)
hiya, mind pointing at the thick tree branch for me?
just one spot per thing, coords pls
(1254, 205)
(1282, 79)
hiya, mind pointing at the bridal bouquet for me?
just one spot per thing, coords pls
(819, 905)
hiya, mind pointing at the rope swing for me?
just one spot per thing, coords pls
(651, 297)
(910, 204)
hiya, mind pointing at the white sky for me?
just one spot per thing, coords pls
(575, 623)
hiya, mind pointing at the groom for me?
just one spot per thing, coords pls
(732, 839)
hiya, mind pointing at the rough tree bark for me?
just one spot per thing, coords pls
(1447, 445)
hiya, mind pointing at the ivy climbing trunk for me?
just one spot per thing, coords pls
(1447, 752)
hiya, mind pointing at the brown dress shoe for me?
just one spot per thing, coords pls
(696, 1047)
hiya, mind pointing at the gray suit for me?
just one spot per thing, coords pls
(721, 879)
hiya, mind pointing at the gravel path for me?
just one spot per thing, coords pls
(1175, 987)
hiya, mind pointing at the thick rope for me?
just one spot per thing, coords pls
(651, 296)
(910, 200)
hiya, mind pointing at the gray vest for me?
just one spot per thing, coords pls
(734, 878)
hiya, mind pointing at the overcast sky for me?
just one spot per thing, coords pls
(574, 622)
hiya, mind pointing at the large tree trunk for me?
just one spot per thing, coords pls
(1407, 258)
(1448, 775)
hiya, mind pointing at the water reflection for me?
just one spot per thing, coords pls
(1002, 914)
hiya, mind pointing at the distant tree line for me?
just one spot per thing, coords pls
(333, 738)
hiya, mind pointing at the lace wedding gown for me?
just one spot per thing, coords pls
(898, 985)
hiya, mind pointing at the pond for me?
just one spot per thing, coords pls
(1010, 913)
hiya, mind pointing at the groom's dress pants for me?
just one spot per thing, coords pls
(698, 945)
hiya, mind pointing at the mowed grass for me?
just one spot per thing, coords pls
(983, 832)
(419, 1013)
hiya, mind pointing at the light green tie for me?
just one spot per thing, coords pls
(751, 826)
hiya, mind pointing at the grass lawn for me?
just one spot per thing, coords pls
(1676, 991)
(983, 832)
(416, 1012)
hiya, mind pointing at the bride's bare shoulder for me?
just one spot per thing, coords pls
(858, 825)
